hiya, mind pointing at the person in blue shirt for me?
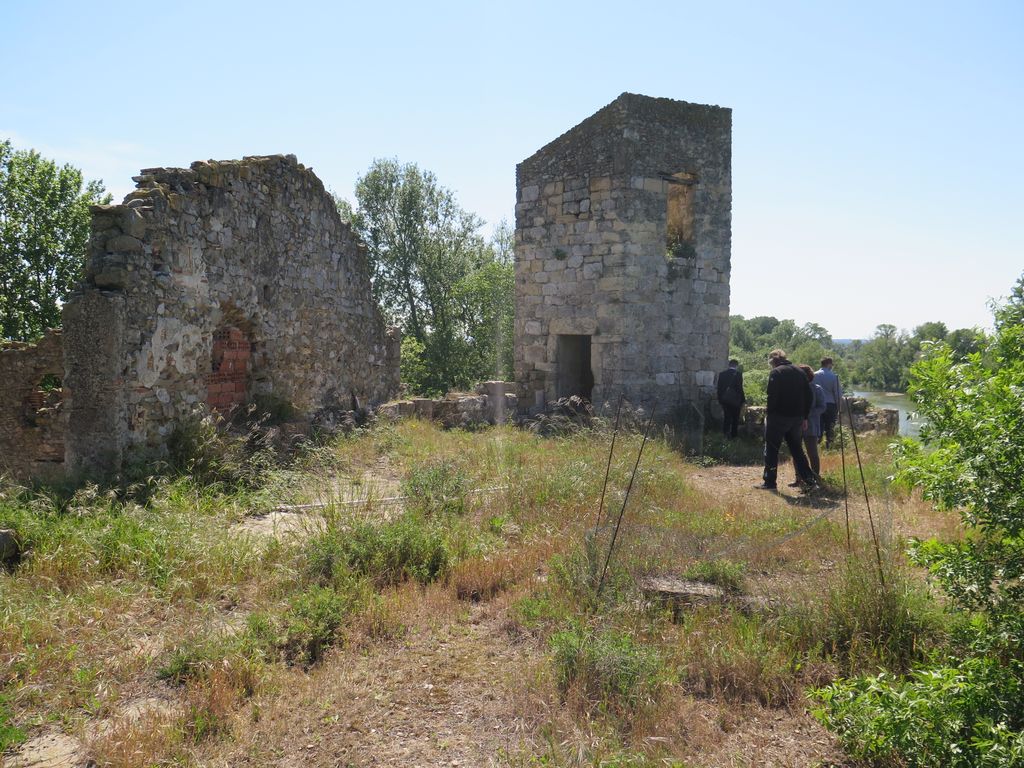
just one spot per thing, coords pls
(829, 383)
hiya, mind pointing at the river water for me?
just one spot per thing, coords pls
(910, 423)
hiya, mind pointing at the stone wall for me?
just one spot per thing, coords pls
(866, 418)
(218, 284)
(32, 416)
(623, 230)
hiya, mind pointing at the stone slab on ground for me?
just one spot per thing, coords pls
(50, 750)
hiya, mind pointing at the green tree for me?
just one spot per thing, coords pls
(884, 360)
(44, 230)
(435, 276)
(933, 331)
(966, 708)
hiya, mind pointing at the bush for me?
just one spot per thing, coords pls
(408, 548)
(964, 708)
(963, 716)
(435, 489)
(736, 657)
(313, 618)
(201, 448)
(865, 624)
(605, 666)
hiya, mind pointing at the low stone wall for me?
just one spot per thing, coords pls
(493, 403)
(866, 419)
(32, 414)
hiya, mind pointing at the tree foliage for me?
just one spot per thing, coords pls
(966, 708)
(436, 277)
(881, 362)
(44, 230)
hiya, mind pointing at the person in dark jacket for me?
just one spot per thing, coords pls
(789, 404)
(731, 397)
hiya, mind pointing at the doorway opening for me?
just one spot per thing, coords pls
(575, 376)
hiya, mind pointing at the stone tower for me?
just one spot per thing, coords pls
(622, 256)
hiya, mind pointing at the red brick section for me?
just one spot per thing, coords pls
(226, 384)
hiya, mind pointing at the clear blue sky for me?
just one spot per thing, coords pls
(878, 153)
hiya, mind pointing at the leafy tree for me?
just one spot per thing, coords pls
(815, 332)
(965, 341)
(933, 331)
(435, 276)
(740, 334)
(966, 708)
(884, 360)
(44, 230)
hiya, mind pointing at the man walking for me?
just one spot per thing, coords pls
(789, 403)
(731, 397)
(829, 382)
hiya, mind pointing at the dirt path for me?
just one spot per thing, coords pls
(443, 695)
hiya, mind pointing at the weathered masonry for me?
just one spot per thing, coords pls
(622, 256)
(210, 287)
(32, 415)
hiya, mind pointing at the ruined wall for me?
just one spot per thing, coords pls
(217, 285)
(32, 417)
(593, 257)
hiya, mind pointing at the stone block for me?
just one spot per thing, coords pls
(10, 547)
(423, 408)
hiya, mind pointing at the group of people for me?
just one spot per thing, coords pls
(803, 406)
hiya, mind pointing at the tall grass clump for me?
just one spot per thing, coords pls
(436, 489)
(864, 623)
(738, 658)
(409, 548)
(202, 447)
(605, 668)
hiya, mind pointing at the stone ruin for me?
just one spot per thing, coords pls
(217, 285)
(212, 286)
(623, 230)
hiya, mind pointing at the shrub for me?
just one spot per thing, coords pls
(312, 619)
(736, 657)
(435, 489)
(964, 708)
(408, 548)
(863, 623)
(605, 666)
(964, 716)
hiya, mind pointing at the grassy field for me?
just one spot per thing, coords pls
(407, 595)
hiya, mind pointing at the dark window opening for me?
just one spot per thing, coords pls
(575, 376)
(680, 241)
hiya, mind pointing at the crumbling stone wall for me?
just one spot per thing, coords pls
(32, 416)
(623, 232)
(218, 284)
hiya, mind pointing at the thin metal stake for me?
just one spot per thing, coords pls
(615, 533)
(863, 482)
(846, 491)
(608, 468)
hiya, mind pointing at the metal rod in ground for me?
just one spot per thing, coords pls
(615, 533)
(842, 454)
(863, 482)
(608, 467)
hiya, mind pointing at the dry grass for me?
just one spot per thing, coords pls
(459, 669)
